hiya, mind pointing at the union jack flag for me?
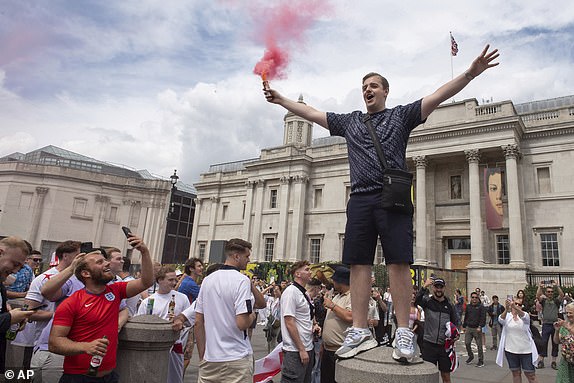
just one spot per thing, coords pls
(453, 46)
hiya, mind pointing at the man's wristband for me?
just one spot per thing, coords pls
(469, 76)
(333, 305)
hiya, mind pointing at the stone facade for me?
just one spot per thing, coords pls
(51, 195)
(290, 202)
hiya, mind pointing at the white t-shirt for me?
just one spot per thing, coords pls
(294, 304)
(70, 286)
(189, 313)
(517, 341)
(35, 295)
(161, 304)
(387, 297)
(224, 295)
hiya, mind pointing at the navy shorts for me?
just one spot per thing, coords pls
(436, 354)
(366, 222)
(517, 362)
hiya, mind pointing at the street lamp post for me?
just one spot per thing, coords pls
(173, 219)
(173, 179)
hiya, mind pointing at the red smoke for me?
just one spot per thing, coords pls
(283, 28)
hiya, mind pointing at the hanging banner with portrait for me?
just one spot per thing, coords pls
(493, 185)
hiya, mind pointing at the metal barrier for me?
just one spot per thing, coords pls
(562, 279)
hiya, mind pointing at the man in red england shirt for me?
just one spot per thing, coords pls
(86, 324)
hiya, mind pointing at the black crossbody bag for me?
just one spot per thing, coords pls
(397, 183)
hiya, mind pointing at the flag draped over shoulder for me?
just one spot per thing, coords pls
(453, 46)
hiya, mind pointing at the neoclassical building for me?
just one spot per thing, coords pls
(50, 195)
(290, 202)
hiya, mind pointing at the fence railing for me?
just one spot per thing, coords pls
(562, 279)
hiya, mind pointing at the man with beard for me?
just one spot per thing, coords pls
(438, 312)
(86, 324)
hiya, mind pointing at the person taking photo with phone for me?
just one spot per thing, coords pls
(85, 326)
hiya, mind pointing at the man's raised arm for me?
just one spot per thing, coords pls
(298, 108)
(52, 289)
(483, 62)
(136, 286)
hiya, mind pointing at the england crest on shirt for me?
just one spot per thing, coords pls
(110, 296)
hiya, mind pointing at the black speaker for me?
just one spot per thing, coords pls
(217, 251)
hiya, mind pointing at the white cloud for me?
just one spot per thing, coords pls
(163, 85)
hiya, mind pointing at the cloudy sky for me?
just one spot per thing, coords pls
(169, 84)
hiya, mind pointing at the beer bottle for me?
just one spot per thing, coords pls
(149, 308)
(171, 308)
(95, 363)
(13, 330)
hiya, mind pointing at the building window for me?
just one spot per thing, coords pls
(273, 199)
(224, 211)
(379, 256)
(80, 206)
(243, 213)
(269, 248)
(502, 249)
(201, 250)
(315, 250)
(543, 179)
(113, 214)
(455, 187)
(25, 200)
(135, 214)
(318, 198)
(458, 243)
(550, 254)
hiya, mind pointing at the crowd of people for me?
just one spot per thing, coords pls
(65, 338)
(75, 310)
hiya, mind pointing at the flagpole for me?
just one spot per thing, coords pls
(452, 53)
(451, 64)
(451, 69)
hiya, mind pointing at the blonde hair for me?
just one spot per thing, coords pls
(15, 243)
(83, 265)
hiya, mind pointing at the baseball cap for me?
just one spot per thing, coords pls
(439, 281)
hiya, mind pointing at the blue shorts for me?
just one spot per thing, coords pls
(366, 222)
(518, 362)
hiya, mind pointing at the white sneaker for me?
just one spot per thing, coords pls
(404, 345)
(357, 340)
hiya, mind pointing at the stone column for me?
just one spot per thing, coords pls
(512, 153)
(378, 366)
(256, 238)
(213, 217)
(476, 253)
(283, 217)
(298, 223)
(103, 202)
(249, 185)
(196, 218)
(37, 217)
(143, 349)
(421, 256)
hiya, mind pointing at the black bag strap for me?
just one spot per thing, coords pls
(380, 153)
